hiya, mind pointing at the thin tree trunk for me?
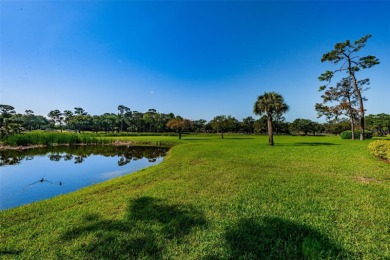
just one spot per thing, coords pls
(361, 108)
(179, 134)
(351, 116)
(353, 128)
(270, 133)
(222, 134)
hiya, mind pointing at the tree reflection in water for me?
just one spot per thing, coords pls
(79, 154)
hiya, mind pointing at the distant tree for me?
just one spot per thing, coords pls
(235, 125)
(56, 117)
(179, 124)
(317, 128)
(221, 123)
(344, 53)
(122, 110)
(149, 119)
(379, 124)
(80, 120)
(80, 111)
(67, 116)
(136, 122)
(261, 126)
(95, 123)
(270, 104)
(161, 121)
(6, 111)
(302, 125)
(199, 126)
(336, 126)
(29, 119)
(279, 124)
(248, 125)
(14, 124)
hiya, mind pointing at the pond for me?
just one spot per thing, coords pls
(36, 174)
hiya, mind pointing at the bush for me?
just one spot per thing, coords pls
(348, 134)
(381, 149)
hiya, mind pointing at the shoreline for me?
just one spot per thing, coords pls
(115, 143)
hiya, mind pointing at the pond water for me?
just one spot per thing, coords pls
(36, 174)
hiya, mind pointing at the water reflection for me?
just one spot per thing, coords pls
(36, 174)
(79, 154)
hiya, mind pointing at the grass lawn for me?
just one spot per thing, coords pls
(306, 197)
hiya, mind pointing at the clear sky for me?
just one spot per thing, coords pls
(197, 59)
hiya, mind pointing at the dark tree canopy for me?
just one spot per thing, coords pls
(56, 117)
(221, 123)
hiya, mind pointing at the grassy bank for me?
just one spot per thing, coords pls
(307, 197)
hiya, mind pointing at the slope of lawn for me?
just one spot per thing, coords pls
(306, 197)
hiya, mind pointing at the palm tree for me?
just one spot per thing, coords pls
(270, 103)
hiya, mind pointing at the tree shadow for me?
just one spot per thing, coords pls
(313, 144)
(196, 139)
(276, 238)
(148, 226)
(14, 253)
(239, 138)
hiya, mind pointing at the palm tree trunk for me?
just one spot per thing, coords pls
(270, 133)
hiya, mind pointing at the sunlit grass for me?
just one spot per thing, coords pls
(306, 197)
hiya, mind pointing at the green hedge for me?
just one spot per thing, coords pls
(381, 149)
(348, 134)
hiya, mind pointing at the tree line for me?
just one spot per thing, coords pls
(153, 121)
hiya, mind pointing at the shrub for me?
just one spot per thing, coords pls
(348, 134)
(381, 149)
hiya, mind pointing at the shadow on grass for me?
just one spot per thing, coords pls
(149, 225)
(276, 238)
(239, 138)
(313, 144)
(196, 139)
(13, 253)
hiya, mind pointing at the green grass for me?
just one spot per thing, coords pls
(306, 197)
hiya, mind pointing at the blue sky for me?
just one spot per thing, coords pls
(197, 59)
